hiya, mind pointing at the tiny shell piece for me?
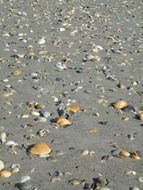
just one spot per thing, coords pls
(120, 104)
(5, 173)
(73, 108)
(93, 130)
(61, 121)
(75, 181)
(124, 153)
(1, 165)
(40, 149)
(84, 152)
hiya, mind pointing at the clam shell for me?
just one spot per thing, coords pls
(120, 104)
(40, 149)
(61, 121)
(5, 173)
(124, 153)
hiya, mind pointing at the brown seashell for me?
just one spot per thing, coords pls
(62, 121)
(135, 156)
(40, 149)
(124, 153)
(5, 173)
(120, 104)
(73, 108)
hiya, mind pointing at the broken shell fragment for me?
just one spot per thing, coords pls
(84, 152)
(1, 165)
(40, 149)
(135, 156)
(120, 104)
(73, 108)
(75, 181)
(61, 121)
(5, 173)
(140, 115)
(124, 153)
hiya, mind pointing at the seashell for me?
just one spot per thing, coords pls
(135, 156)
(131, 172)
(11, 143)
(84, 152)
(62, 121)
(25, 178)
(15, 168)
(93, 130)
(3, 137)
(75, 181)
(1, 165)
(35, 113)
(140, 115)
(73, 108)
(120, 104)
(124, 153)
(40, 149)
(5, 173)
(16, 72)
(42, 41)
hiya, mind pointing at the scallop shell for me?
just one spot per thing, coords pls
(120, 104)
(40, 149)
(62, 121)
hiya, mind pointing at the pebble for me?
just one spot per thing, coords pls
(1, 165)
(24, 186)
(35, 113)
(140, 115)
(3, 137)
(84, 152)
(134, 188)
(93, 130)
(131, 172)
(103, 188)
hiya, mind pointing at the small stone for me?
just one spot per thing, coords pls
(120, 104)
(134, 188)
(3, 137)
(102, 188)
(42, 41)
(23, 186)
(140, 115)
(35, 113)
(75, 181)
(1, 165)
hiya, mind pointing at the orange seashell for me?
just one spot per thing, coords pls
(73, 108)
(5, 173)
(40, 149)
(134, 156)
(124, 153)
(93, 130)
(62, 121)
(120, 104)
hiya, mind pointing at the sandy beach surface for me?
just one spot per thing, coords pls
(71, 95)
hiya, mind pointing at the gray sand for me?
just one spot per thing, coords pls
(90, 55)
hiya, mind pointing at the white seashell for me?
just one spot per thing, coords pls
(35, 113)
(25, 178)
(61, 66)
(11, 143)
(42, 41)
(3, 137)
(25, 116)
(15, 168)
(1, 165)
